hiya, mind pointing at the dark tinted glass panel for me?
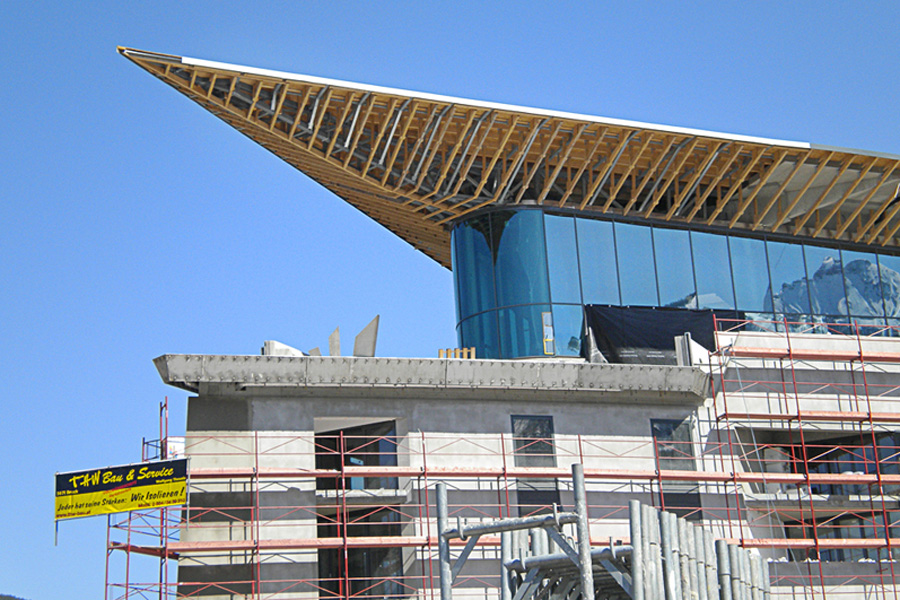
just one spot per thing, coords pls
(674, 447)
(521, 331)
(890, 284)
(533, 438)
(674, 270)
(789, 293)
(713, 270)
(562, 259)
(597, 255)
(474, 266)
(637, 278)
(568, 323)
(480, 332)
(862, 284)
(521, 267)
(826, 281)
(751, 274)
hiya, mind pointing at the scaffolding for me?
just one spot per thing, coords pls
(792, 457)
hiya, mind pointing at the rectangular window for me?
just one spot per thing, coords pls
(534, 447)
(674, 450)
(372, 445)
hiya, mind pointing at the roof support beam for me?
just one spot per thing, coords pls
(742, 206)
(391, 113)
(890, 234)
(348, 106)
(774, 199)
(537, 163)
(297, 116)
(604, 173)
(410, 116)
(278, 105)
(886, 219)
(407, 163)
(888, 171)
(720, 205)
(448, 158)
(723, 172)
(588, 159)
(685, 193)
(322, 100)
(579, 129)
(837, 205)
(659, 188)
(805, 216)
(648, 138)
(430, 149)
(462, 158)
(782, 216)
(636, 192)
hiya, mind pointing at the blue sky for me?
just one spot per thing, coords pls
(135, 224)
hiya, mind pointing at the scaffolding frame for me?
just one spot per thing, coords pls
(727, 467)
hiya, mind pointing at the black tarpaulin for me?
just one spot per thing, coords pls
(644, 335)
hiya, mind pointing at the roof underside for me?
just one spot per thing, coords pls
(416, 162)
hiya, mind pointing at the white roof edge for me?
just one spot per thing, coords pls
(199, 62)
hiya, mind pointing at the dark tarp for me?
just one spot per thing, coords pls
(644, 335)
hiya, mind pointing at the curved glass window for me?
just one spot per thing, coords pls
(474, 266)
(522, 277)
(521, 260)
(522, 331)
(597, 256)
(480, 332)
(637, 272)
(713, 270)
(751, 274)
(675, 270)
(562, 259)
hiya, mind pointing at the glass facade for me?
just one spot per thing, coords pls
(523, 275)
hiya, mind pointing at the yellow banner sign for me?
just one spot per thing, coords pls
(120, 489)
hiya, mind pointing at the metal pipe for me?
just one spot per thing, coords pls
(584, 533)
(505, 557)
(734, 560)
(724, 567)
(444, 543)
(670, 561)
(561, 559)
(700, 554)
(712, 580)
(755, 587)
(637, 551)
(510, 525)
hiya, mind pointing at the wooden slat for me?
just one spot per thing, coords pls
(782, 216)
(648, 139)
(837, 205)
(701, 171)
(601, 174)
(720, 205)
(540, 159)
(802, 219)
(588, 160)
(774, 199)
(714, 184)
(865, 201)
(579, 129)
(661, 190)
(742, 206)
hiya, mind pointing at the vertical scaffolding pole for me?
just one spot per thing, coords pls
(443, 543)
(584, 533)
(637, 551)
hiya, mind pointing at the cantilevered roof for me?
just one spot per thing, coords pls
(415, 162)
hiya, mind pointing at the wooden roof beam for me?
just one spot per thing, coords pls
(607, 169)
(774, 199)
(805, 216)
(723, 171)
(695, 180)
(720, 205)
(837, 205)
(648, 138)
(635, 193)
(537, 163)
(579, 129)
(782, 216)
(661, 188)
(742, 206)
(888, 171)
(588, 159)
(410, 117)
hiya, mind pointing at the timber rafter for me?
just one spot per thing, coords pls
(416, 162)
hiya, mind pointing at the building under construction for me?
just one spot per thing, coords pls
(705, 323)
